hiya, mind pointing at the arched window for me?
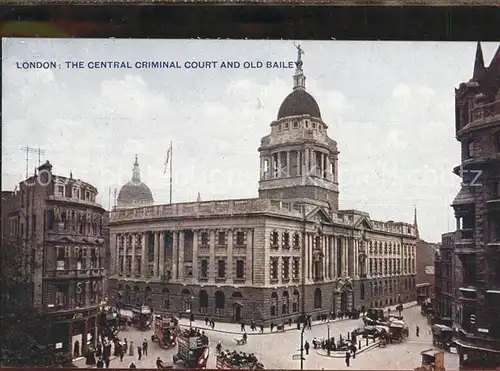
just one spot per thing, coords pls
(203, 301)
(285, 303)
(186, 300)
(166, 298)
(317, 299)
(220, 302)
(295, 305)
(362, 291)
(274, 304)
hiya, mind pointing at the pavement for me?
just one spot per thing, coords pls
(276, 350)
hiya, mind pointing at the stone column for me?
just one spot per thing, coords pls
(195, 254)
(288, 167)
(87, 293)
(123, 258)
(356, 260)
(132, 248)
(212, 268)
(299, 163)
(262, 167)
(322, 165)
(344, 257)
(181, 255)
(144, 260)
(278, 154)
(175, 255)
(305, 170)
(230, 254)
(155, 255)
(249, 263)
(324, 248)
(113, 249)
(162, 253)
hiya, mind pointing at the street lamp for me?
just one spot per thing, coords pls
(328, 340)
(302, 346)
(190, 310)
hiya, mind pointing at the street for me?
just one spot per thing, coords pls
(275, 350)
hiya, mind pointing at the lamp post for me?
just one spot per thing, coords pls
(190, 310)
(328, 340)
(302, 346)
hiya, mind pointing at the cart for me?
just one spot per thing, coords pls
(442, 336)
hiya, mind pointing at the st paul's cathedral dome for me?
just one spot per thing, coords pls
(134, 193)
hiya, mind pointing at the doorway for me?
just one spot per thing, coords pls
(237, 312)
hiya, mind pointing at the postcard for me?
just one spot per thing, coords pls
(175, 201)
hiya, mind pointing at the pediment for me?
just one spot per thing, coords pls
(363, 223)
(318, 215)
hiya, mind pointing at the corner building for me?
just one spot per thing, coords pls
(291, 250)
(475, 275)
(57, 223)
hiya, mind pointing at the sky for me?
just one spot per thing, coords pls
(389, 106)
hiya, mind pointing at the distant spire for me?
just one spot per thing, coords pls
(71, 174)
(478, 63)
(198, 199)
(299, 80)
(136, 175)
(415, 222)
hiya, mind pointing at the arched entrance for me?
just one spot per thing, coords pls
(285, 303)
(186, 300)
(203, 301)
(318, 302)
(274, 304)
(76, 349)
(220, 302)
(343, 293)
(237, 306)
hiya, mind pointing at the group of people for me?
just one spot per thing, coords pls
(240, 359)
(210, 322)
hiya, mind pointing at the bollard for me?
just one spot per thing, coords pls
(367, 341)
(374, 339)
(359, 344)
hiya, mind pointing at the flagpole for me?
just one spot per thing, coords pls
(171, 158)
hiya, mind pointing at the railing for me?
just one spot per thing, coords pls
(486, 110)
(65, 273)
(74, 200)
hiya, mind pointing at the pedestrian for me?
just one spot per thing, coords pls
(261, 328)
(354, 350)
(242, 327)
(121, 353)
(106, 362)
(139, 352)
(306, 347)
(100, 363)
(145, 347)
(272, 326)
(132, 365)
(417, 331)
(206, 321)
(347, 358)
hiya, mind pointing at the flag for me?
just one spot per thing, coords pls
(168, 159)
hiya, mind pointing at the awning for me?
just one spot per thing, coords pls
(441, 327)
(475, 347)
(238, 303)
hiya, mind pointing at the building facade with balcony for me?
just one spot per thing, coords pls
(477, 209)
(60, 224)
(271, 258)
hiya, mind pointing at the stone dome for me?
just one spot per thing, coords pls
(299, 102)
(135, 193)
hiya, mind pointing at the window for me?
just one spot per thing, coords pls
(296, 241)
(469, 150)
(274, 239)
(497, 141)
(221, 269)
(221, 240)
(240, 269)
(274, 268)
(60, 190)
(60, 258)
(286, 268)
(240, 238)
(204, 269)
(295, 125)
(286, 240)
(286, 126)
(296, 268)
(204, 239)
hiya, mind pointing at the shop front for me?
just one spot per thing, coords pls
(73, 332)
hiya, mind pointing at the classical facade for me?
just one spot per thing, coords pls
(476, 241)
(59, 225)
(291, 250)
(134, 193)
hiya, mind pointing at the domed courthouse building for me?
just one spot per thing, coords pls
(291, 250)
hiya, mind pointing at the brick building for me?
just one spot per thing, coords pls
(425, 259)
(290, 250)
(59, 226)
(476, 242)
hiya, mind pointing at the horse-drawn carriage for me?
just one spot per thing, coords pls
(398, 331)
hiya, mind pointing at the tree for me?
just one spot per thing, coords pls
(23, 333)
